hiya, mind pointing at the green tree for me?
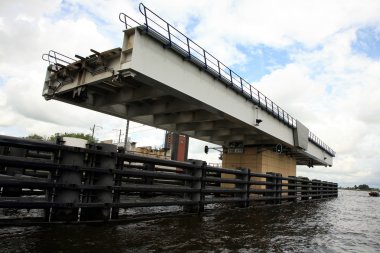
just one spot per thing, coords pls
(363, 187)
(35, 137)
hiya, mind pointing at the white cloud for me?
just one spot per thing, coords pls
(26, 35)
(329, 87)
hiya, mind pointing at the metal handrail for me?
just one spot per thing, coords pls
(317, 141)
(213, 65)
(124, 17)
(224, 73)
(57, 59)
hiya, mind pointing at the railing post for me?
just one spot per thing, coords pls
(148, 180)
(316, 191)
(279, 188)
(13, 191)
(292, 189)
(66, 197)
(266, 104)
(169, 35)
(106, 161)
(117, 182)
(329, 190)
(188, 47)
(305, 189)
(274, 188)
(244, 186)
(220, 75)
(197, 171)
(2, 168)
(241, 83)
(269, 188)
(335, 189)
(146, 20)
(324, 189)
(259, 98)
(204, 55)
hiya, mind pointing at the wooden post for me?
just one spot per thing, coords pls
(316, 187)
(105, 197)
(292, 189)
(305, 189)
(67, 196)
(196, 171)
(275, 188)
(244, 186)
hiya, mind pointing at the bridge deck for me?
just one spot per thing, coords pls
(168, 88)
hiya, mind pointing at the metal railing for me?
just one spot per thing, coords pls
(172, 38)
(314, 139)
(57, 59)
(80, 184)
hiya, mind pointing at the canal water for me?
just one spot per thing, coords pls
(349, 223)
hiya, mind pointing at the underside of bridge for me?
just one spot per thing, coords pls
(152, 84)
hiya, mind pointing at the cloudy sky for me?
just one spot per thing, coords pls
(319, 60)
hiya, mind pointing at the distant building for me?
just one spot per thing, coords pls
(178, 145)
(175, 148)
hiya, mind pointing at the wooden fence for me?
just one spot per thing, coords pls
(99, 182)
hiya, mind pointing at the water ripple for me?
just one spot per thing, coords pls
(350, 223)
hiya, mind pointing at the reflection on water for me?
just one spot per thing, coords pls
(350, 223)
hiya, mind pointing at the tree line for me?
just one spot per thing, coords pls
(53, 137)
(361, 187)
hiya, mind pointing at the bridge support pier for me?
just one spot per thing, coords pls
(258, 160)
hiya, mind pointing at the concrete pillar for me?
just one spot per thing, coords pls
(258, 160)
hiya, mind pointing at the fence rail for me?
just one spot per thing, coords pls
(98, 182)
